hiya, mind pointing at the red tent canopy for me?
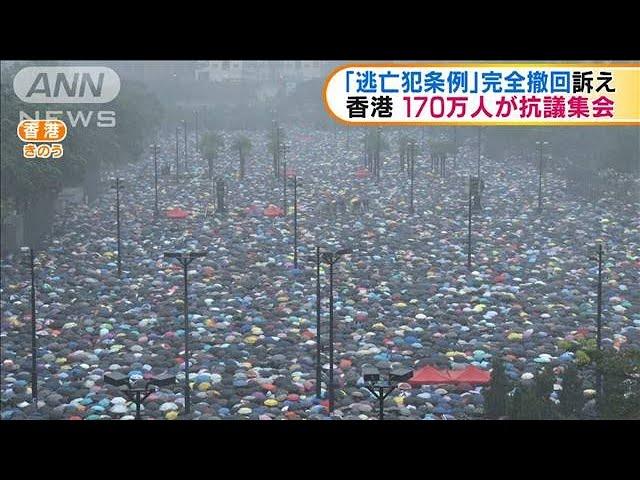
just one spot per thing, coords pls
(177, 213)
(472, 375)
(273, 211)
(429, 376)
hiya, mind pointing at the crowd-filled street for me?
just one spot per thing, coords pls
(404, 294)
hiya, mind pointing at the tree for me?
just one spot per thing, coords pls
(620, 385)
(496, 396)
(531, 406)
(276, 138)
(403, 141)
(543, 387)
(243, 145)
(514, 404)
(571, 400)
(209, 146)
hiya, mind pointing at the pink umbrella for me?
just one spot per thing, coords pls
(177, 213)
(273, 211)
(362, 173)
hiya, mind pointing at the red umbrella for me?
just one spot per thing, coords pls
(177, 213)
(273, 211)
(362, 173)
(252, 210)
(291, 172)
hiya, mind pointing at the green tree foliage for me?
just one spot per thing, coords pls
(210, 144)
(571, 399)
(543, 388)
(524, 403)
(276, 138)
(592, 147)
(374, 138)
(243, 145)
(514, 404)
(138, 113)
(620, 384)
(531, 408)
(446, 147)
(496, 396)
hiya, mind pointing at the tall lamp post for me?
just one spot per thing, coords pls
(295, 222)
(412, 161)
(284, 148)
(276, 149)
(377, 385)
(138, 391)
(539, 147)
(455, 148)
(377, 157)
(177, 156)
(155, 179)
(34, 347)
(318, 338)
(469, 230)
(331, 258)
(184, 124)
(479, 149)
(185, 258)
(599, 330)
(195, 114)
(117, 186)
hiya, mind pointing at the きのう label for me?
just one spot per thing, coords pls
(50, 131)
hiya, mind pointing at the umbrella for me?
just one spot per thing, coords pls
(177, 213)
(362, 173)
(273, 211)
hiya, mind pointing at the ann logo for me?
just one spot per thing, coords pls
(77, 84)
(43, 85)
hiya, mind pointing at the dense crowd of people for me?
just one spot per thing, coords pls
(404, 295)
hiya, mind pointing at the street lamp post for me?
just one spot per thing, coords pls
(455, 148)
(34, 350)
(295, 222)
(117, 186)
(331, 258)
(276, 149)
(185, 258)
(318, 339)
(479, 149)
(539, 146)
(155, 181)
(177, 156)
(412, 158)
(184, 124)
(195, 113)
(469, 230)
(377, 385)
(599, 329)
(138, 391)
(377, 159)
(284, 176)
(220, 193)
